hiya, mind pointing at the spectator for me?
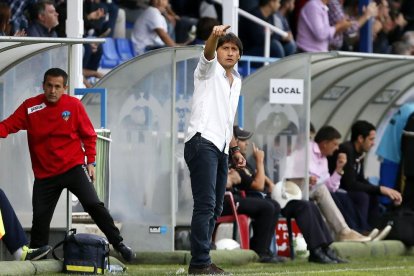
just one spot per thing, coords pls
(314, 31)
(408, 37)
(389, 148)
(253, 35)
(264, 215)
(336, 14)
(62, 144)
(5, 26)
(44, 19)
(203, 30)
(5, 15)
(360, 190)
(281, 21)
(18, 19)
(150, 29)
(401, 48)
(323, 186)
(13, 236)
(306, 213)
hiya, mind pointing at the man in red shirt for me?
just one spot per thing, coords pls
(61, 138)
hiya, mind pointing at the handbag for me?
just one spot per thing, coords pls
(84, 253)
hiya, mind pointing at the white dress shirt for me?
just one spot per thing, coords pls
(214, 103)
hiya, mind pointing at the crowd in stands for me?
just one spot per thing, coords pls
(311, 25)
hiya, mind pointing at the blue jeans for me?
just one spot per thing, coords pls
(208, 172)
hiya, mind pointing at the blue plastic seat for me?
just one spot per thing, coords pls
(110, 57)
(124, 48)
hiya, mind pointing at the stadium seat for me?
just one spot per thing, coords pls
(241, 223)
(110, 57)
(124, 48)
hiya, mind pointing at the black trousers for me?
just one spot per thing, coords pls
(352, 215)
(310, 222)
(15, 236)
(46, 193)
(264, 213)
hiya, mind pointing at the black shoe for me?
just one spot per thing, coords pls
(331, 254)
(33, 254)
(273, 259)
(125, 251)
(211, 269)
(318, 256)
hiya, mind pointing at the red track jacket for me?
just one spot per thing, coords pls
(55, 134)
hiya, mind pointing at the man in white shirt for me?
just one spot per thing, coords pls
(209, 140)
(150, 28)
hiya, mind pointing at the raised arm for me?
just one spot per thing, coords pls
(211, 43)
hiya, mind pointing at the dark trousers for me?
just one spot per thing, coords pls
(46, 193)
(264, 213)
(367, 205)
(352, 215)
(15, 236)
(310, 222)
(208, 172)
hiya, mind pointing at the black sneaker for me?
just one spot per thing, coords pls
(211, 269)
(33, 254)
(125, 251)
(268, 258)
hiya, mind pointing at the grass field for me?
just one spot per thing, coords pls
(402, 265)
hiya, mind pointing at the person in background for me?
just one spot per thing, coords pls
(314, 32)
(44, 19)
(360, 190)
(13, 236)
(336, 14)
(253, 35)
(203, 30)
(256, 183)
(281, 21)
(62, 146)
(324, 184)
(150, 29)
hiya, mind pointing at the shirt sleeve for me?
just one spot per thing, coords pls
(314, 18)
(205, 68)
(354, 181)
(333, 182)
(14, 123)
(87, 134)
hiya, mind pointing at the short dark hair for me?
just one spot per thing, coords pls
(327, 133)
(205, 26)
(56, 72)
(284, 2)
(361, 128)
(231, 38)
(39, 8)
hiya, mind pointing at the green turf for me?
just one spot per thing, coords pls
(402, 265)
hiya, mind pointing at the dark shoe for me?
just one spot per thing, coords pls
(211, 269)
(125, 251)
(33, 254)
(274, 259)
(318, 256)
(331, 254)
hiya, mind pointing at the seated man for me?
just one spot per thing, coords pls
(322, 182)
(264, 215)
(13, 236)
(306, 214)
(360, 190)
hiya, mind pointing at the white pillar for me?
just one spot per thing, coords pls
(230, 15)
(74, 29)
